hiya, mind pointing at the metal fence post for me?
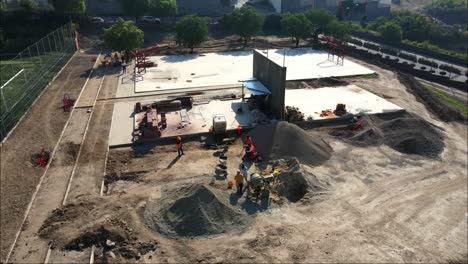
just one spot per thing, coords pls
(53, 35)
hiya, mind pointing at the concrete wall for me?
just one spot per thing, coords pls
(276, 5)
(273, 76)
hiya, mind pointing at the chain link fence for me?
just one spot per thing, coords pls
(24, 77)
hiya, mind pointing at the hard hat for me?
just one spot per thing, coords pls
(238, 171)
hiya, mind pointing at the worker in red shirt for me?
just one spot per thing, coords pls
(180, 150)
(248, 140)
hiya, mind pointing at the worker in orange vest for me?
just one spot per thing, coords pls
(180, 150)
(239, 178)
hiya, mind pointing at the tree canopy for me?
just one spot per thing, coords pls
(29, 5)
(319, 18)
(75, 7)
(391, 32)
(192, 31)
(296, 26)
(339, 30)
(123, 35)
(3, 6)
(162, 7)
(246, 22)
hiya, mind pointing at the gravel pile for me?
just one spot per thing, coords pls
(195, 210)
(284, 140)
(406, 135)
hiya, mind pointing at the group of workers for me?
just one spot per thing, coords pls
(250, 150)
(241, 175)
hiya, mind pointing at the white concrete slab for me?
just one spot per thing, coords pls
(227, 68)
(122, 124)
(312, 101)
(200, 118)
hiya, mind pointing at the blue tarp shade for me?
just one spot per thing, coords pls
(256, 88)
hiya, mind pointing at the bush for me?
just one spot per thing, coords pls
(389, 51)
(407, 56)
(450, 68)
(428, 62)
(371, 46)
(356, 42)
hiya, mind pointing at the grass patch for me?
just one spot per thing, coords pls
(448, 100)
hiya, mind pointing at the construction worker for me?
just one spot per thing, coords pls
(243, 170)
(180, 150)
(248, 140)
(239, 178)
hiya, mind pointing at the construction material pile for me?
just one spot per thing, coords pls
(284, 140)
(194, 210)
(293, 114)
(296, 180)
(406, 135)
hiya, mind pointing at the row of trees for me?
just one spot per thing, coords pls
(60, 6)
(418, 28)
(191, 31)
(133, 8)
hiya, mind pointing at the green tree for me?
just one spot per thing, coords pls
(135, 8)
(162, 8)
(192, 31)
(363, 21)
(391, 32)
(29, 5)
(376, 24)
(296, 26)
(71, 7)
(414, 27)
(339, 30)
(3, 6)
(246, 22)
(320, 18)
(123, 35)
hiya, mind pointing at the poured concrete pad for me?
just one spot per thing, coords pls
(200, 120)
(311, 102)
(227, 68)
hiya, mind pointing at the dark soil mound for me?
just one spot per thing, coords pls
(193, 211)
(413, 136)
(286, 140)
(296, 181)
(406, 135)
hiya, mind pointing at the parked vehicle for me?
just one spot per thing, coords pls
(97, 20)
(151, 19)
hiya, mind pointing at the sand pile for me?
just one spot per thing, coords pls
(406, 135)
(296, 180)
(285, 140)
(194, 210)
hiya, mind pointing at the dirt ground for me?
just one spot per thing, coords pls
(379, 205)
(41, 128)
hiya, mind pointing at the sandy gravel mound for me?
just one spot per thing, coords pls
(195, 210)
(296, 180)
(406, 135)
(284, 140)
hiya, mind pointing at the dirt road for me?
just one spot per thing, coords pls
(80, 171)
(40, 128)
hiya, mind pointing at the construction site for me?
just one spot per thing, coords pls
(263, 155)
